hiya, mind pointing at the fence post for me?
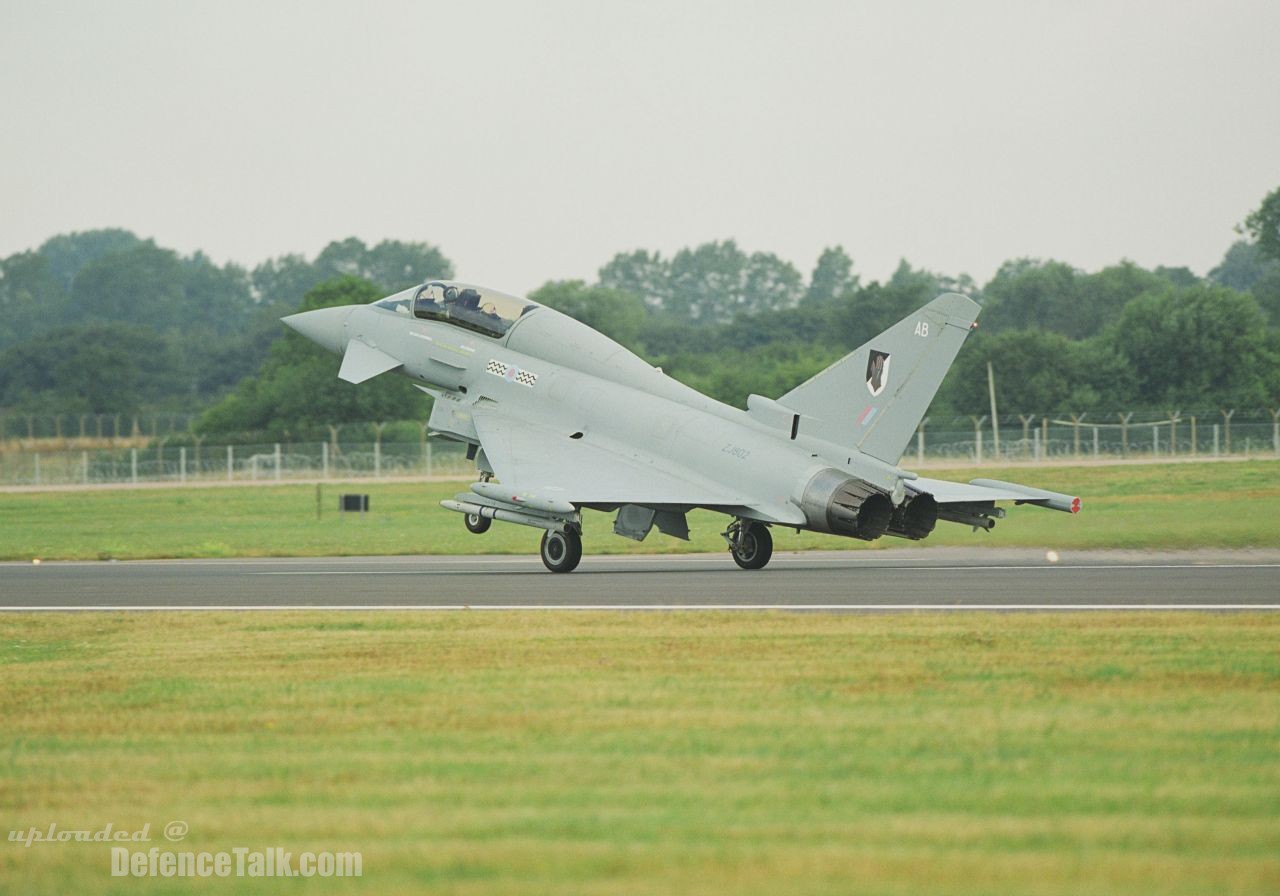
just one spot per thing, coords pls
(133, 465)
(429, 458)
(1035, 439)
(1124, 433)
(1226, 416)
(231, 462)
(277, 459)
(324, 460)
(377, 449)
(333, 439)
(1095, 441)
(1174, 417)
(84, 466)
(995, 418)
(920, 443)
(1155, 440)
(1193, 436)
(1216, 427)
(977, 437)
(37, 458)
(182, 463)
(1026, 439)
(1076, 419)
(1275, 430)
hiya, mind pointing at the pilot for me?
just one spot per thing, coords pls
(491, 316)
(450, 295)
(424, 302)
(470, 299)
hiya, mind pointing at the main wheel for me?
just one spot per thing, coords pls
(477, 524)
(561, 550)
(754, 546)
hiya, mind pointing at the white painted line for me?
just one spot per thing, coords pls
(617, 607)
(443, 559)
(1045, 568)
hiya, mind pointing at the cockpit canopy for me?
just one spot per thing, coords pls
(471, 307)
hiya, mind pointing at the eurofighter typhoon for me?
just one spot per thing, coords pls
(559, 419)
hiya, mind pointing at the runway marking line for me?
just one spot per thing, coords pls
(1059, 567)
(440, 559)
(669, 607)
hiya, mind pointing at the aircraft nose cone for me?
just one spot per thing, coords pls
(324, 326)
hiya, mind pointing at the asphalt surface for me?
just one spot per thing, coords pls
(886, 579)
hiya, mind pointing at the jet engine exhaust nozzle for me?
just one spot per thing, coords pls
(915, 517)
(841, 504)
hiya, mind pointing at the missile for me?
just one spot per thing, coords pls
(508, 516)
(504, 495)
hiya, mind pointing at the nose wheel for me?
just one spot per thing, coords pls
(561, 550)
(750, 543)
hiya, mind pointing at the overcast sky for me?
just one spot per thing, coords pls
(533, 141)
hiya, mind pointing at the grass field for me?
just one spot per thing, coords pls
(1132, 506)
(655, 753)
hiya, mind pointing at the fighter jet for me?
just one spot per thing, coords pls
(560, 419)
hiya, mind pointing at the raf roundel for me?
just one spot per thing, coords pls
(511, 373)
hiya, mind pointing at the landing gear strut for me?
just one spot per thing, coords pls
(561, 550)
(750, 543)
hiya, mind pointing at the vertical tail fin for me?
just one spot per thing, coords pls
(875, 397)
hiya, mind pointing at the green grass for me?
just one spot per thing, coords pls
(656, 753)
(1232, 505)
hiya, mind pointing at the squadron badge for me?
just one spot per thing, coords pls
(877, 372)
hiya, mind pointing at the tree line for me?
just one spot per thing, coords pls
(107, 322)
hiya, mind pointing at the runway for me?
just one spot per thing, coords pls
(936, 578)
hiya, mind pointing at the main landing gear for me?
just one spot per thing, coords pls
(750, 543)
(561, 550)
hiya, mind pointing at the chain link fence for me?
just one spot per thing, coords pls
(1031, 438)
(181, 457)
(261, 463)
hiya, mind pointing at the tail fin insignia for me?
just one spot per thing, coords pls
(921, 348)
(877, 371)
